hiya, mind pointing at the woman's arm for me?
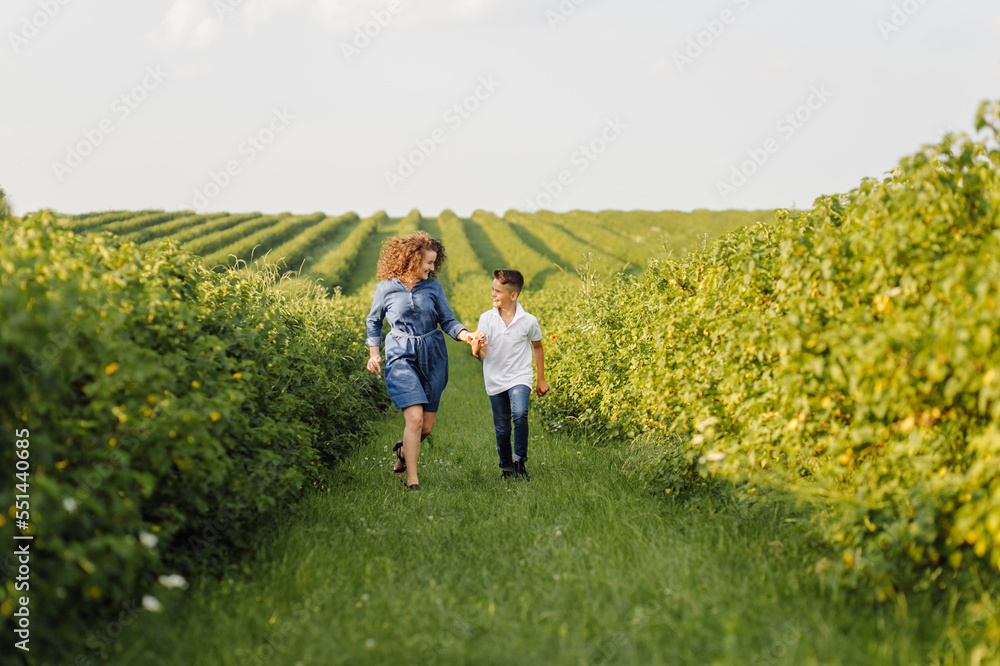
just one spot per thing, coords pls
(374, 361)
(373, 330)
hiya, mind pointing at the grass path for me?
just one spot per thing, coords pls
(579, 566)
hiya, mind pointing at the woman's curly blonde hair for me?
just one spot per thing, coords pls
(401, 255)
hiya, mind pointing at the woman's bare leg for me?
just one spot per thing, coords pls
(412, 434)
(418, 425)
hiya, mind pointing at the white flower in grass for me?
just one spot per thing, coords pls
(697, 439)
(714, 456)
(148, 540)
(707, 423)
(173, 581)
(152, 604)
(70, 504)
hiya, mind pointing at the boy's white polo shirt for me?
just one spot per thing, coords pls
(508, 349)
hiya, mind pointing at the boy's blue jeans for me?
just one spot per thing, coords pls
(511, 405)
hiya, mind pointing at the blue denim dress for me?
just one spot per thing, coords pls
(416, 360)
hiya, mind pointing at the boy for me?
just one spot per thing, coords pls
(506, 340)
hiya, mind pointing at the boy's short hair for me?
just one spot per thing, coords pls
(511, 277)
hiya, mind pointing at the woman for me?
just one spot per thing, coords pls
(416, 360)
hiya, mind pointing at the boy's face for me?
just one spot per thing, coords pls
(503, 296)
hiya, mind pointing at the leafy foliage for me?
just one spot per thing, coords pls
(263, 241)
(170, 409)
(186, 228)
(468, 281)
(847, 357)
(515, 252)
(410, 224)
(299, 248)
(336, 266)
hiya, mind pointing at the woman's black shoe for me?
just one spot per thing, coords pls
(398, 451)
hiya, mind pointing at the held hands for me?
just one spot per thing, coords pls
(470, 338)
(476, 342)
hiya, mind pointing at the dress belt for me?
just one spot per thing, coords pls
(413, 337)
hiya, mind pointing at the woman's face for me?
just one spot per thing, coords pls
(426, 265)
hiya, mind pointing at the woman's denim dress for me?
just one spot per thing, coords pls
(416, 360)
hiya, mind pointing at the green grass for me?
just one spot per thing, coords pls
(580, 566)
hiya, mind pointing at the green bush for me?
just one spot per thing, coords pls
(96, 221)
(169, 408)
(300, 248)
(569, 250)
(215, 240)
(184, 228)
(409, 224)
(468, 282)
(336, 266)
(846, 357)
(260, 243)
(515, 252)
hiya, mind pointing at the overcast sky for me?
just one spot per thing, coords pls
(351, 105)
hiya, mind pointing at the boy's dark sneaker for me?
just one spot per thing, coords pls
(506, 474)
(519, 471)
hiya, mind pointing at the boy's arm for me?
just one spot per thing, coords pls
(542, 387)
(478, 342)
(478, 345)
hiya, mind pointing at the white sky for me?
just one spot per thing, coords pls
(671, 132)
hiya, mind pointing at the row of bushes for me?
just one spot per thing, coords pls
(848, 357)
(92, 221)
(410, 224)
(515, 252)
(170, 408)
(253, 246)
(468, 282)
(678, 232)
(192, 228)
(589, 229)
(336, 266)
(140, 222)
(307, 245)
(571, 250)
(217, 240)
(172, 229)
